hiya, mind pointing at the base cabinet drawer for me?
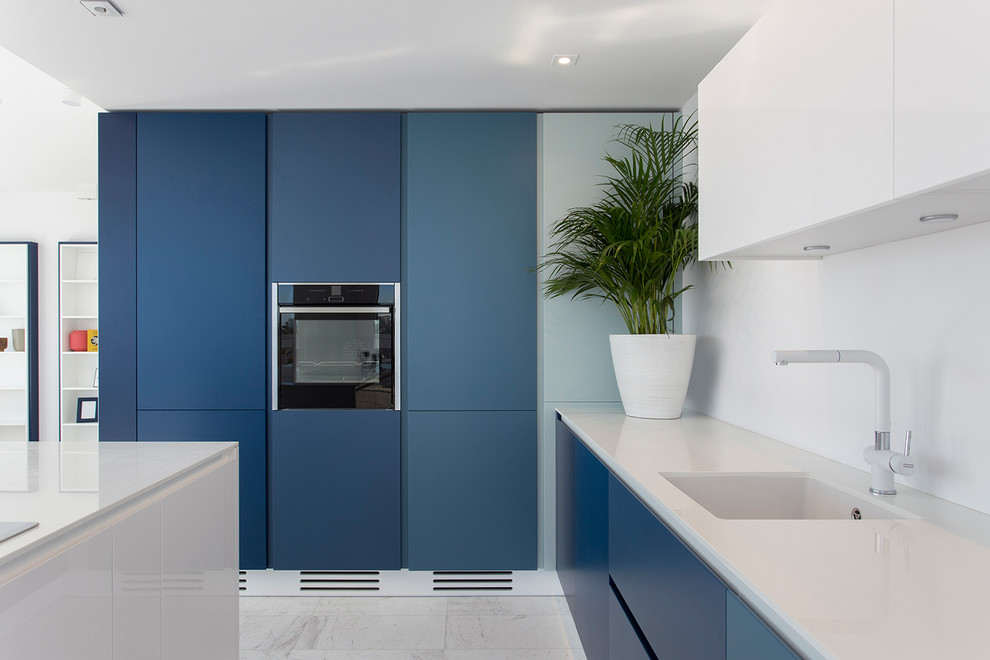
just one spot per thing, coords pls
(677, 601)
(624, 642)
(747, 637)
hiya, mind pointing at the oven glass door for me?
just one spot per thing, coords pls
(335, 358)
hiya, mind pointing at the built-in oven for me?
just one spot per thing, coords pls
(335, 346)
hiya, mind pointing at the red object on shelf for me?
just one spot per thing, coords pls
(77, 340)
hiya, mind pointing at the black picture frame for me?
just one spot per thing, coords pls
(87, 410)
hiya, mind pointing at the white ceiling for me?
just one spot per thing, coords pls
(326, 54)
(379, 54)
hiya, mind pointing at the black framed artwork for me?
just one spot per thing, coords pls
(87, 410)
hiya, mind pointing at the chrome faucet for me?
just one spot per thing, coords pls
(884, 463)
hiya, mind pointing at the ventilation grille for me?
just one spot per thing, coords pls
(472, 581)
(331, 581)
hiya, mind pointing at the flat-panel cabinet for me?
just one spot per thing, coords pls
(470, 302)
(63, 607)
(941, 102)
(624, 642)
(137, 585)
(18, 342)
(471, 490)
(334, 196)
(796, 131)
(677, 601)
(335, 480)
(245, 427)
(747, 637)
(201, 287)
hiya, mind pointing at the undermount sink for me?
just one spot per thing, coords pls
(777, 496)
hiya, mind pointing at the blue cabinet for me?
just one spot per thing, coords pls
(471, 490)
(244, 427)
(118, 275)
(469, 230)
(748, 637)
(564, 446)
(334, 197)
(678, 602)
(201, 315)
(624, 641)
(335, 489)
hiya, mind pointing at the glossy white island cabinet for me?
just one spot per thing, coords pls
(135, 555)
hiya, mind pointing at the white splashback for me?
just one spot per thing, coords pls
(919, 303)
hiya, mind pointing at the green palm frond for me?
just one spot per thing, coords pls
(627, 247)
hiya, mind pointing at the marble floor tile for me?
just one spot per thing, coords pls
(537, 631)
(514, 654)
(271, 632)
(396, 605)
(506, 605)
(275, 605)
(424, 654)
(255, 654)
(373, 632)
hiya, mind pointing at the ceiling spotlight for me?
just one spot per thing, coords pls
(817, 248)
(100, 7)
(939, 218)
(71, 97)
(564, 60)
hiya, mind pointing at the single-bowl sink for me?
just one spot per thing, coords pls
(777, 496)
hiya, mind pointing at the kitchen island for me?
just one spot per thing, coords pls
(134, 556)
(913, 582)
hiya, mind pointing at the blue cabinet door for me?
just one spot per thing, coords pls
(334, 187)
(591, 588)
(678, 603)
(118, 275)
(471, 490)
(748, 637)
(244, 427)
(469, 229)
(565, 443)
(624, 642)
(335, 490)
(201, 315)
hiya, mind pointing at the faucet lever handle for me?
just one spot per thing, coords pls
(907, 443)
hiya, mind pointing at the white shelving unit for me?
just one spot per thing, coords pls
(78, 310)
(18, 369)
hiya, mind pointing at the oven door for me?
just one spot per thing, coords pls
(335, 357)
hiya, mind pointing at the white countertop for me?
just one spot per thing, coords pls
(910, 588)
(67, 486)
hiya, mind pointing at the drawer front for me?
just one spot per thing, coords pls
(678, 603)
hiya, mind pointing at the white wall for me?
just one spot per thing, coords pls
(47, 218)
(919, 303)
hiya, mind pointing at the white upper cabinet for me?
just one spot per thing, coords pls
(841, 124)
(941, 94)
(796, 124)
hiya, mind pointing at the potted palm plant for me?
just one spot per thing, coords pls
(627, 249)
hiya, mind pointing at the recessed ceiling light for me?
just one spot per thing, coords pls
(939, 218)
(564, 60)
(71, 97)
(817, 248)
(100, 7)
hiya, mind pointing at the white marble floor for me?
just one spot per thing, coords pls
(433, 628)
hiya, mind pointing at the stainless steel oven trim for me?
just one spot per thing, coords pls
(334, 310)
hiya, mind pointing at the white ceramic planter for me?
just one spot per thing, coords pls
(653, 372)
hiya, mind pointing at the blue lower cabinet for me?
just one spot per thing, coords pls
(565, 443)
(748, 637)
(246, 427)
(471, 490)
(335, 490)
(677, 601)
(591, 587)
(624, 642)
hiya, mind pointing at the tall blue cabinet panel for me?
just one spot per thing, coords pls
(246, 427)
(201, 285)
(677, 601)
(471, 490)
(469, 241)
(335, 489)
(748, 637)
(118, 275)
(334, 186)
